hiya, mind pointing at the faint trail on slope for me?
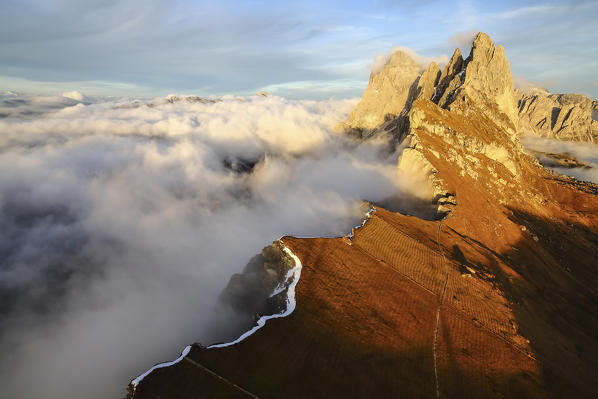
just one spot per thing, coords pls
(219, 377)
(439, 309)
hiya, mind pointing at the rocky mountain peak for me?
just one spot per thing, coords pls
(386, 95)
(560, 116)
(482, 47)
(487, 73)
(402, 60)
(481, 82)
(427, 82)
(483, 79)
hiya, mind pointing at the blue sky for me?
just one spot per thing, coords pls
(300, 49)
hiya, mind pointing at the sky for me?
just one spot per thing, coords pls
(297, 49)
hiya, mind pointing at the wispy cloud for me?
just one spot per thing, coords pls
(123, 222)
(463, 40)
(92, 87)
(529, 86)
(525, 11)
(321, 89)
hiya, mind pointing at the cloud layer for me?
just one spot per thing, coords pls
(121, 222)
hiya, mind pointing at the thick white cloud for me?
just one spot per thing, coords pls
(74, 95)
(120, 223)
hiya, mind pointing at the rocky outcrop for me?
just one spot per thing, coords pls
(427, 82)
(560, 116)
(450, 79)
(249, 292)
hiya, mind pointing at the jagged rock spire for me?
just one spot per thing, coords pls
(428, 81)
(483, 82)
(451, 69)
(487, 72)
(483, 78)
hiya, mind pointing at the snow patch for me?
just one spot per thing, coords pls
(282, 285)
(137, 380)
(293, 276)
(367, 217)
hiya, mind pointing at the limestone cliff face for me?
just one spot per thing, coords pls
(487, 82)
(479, 88)
(450, 79)
(428, 81)
(561, 116)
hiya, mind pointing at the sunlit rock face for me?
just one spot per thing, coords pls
(485, 81)
(387, 94)
(560, 116)
(495, 298)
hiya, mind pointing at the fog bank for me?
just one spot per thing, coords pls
(121, 222)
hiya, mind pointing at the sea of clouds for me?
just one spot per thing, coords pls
(122, 221)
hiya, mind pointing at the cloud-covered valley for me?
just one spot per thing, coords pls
(121, 222)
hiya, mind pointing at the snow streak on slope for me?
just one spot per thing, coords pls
(185, 352)
(291, 280)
